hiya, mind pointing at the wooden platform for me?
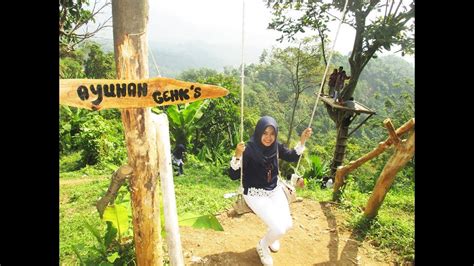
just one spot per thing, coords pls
(359, 108)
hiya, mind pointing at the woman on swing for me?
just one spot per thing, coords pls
(262, 193)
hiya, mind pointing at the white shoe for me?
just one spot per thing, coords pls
(275, 246)
(264, 254)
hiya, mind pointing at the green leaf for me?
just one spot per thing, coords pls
(191, 111)
(103, 252)
(110, 235)
(113, 257)
(94, 232)
(76, 248)
(118, 215)
(173, 114)
(200, 221)
(105, 263)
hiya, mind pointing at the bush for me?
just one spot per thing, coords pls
(71, 162)
(102, 141)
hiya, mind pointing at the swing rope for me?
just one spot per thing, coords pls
(154, 62)
(242, 77)
(344, 11)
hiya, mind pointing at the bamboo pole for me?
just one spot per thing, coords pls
(167, 188)
(403, 153)
(130, 19)
(342, 171)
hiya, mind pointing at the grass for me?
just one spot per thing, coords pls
(88, 171)
(200, 191)
(392, 230)
(77, 206)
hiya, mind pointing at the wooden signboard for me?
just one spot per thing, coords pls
(96, 94)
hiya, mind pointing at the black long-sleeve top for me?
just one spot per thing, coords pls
(256, 176)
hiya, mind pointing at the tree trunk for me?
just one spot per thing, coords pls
(336, 115)
(130, 19)
(341, 142)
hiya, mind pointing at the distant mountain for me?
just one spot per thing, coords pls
(173, 58)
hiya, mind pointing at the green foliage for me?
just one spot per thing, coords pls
(99, 65)
(393, 27)
(102, 141)
(217, 120)
(200, 221)
(97, 136)
(77, 206)
(202, 188)
(113, 248)
(90, 170)
(302, 67)
(70, 120)
(181, 121)
(115, 245)
(197, 74)
(71, 162)
(208, 154)
(401, 107)
(70, 68)
(392, 229)
(315, 168)
(73, 15)
(387, 29)
(118, 216)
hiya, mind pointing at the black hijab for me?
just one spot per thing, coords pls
(257, 151)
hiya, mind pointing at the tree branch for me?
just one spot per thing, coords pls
(117, 180)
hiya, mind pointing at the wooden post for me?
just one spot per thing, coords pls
(391, 131)
(130, 19)
(342, 171)
(403, 153)
(167, 188)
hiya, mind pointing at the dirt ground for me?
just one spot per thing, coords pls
(315, 239)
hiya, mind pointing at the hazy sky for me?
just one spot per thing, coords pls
(219, 22)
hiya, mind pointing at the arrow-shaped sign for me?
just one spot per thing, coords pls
(95, 94)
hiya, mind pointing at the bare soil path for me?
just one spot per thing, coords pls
(315, 239)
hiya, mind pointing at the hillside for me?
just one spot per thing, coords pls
(174, 58)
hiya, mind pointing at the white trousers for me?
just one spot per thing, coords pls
(274, 212)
